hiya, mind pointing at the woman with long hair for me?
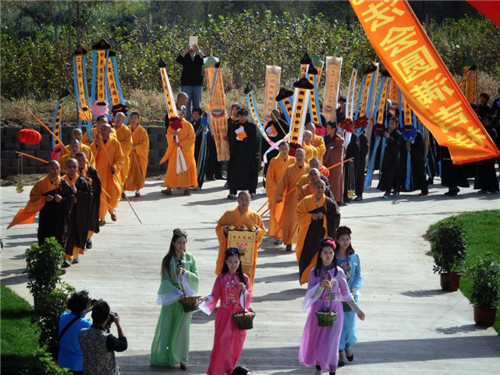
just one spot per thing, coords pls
(348, 260)
(327, 285)
(233, 289)
(179, 278)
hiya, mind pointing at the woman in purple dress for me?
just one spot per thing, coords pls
(320, 345)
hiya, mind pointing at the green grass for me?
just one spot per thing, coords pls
(19, 336)
(483, 234)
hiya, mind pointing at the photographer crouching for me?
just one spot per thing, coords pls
(98, 345)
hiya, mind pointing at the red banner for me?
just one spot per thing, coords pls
(414, 64)
(489, 9)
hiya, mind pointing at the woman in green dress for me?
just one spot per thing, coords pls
(179, 278)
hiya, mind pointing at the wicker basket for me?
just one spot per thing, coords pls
(326, 317)
(346, 307)
(189, 303)
(244, 319)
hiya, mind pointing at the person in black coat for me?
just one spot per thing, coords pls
(413, 146)
(191, 59)
(244, 159)
(486, 179)
(390, 179)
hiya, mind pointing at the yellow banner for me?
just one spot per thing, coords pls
(217, 110)
(101, 66)
(273, 75)
(113, 89)
(414, 64)
(332, 85)
(167, 89)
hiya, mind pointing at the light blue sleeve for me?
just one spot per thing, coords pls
(357, 280)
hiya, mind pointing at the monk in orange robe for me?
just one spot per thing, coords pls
(311, 151)
(181, 169)
(76, 133)
(286, 192)
(317, 141)
(53, 198)
(324, 172)
(318, 216)
(109, 161)
(124, 136)
(101, 120)
(276, 169)
(138, 156)
(237, 217)
(75, 147)
(308, 189)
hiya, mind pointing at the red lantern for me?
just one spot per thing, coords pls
(29, 136)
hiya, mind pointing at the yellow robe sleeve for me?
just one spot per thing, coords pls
(36, 202)
(228, 218)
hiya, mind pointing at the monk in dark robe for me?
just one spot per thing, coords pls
(318, 216)
(360, 167)
(243, 162)
(452, 176)
(200, 144)
(486, 179)
(79, 218)
(413, 146)
(352, 151)
(52, 197)
(90, 174)
(275, 129)
(390, 179)
(53, 220)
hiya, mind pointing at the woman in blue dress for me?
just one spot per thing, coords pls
(348, 261)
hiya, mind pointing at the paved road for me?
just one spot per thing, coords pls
(411, 326)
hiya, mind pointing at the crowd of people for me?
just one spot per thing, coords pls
(305, 186)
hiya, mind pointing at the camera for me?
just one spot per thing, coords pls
(112, 316)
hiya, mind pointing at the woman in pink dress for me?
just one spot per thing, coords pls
(233, 289)
(319, 345)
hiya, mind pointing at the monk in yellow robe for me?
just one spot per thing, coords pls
(240, 216)
(311, 151)
(109, 161)
(101, 120)
(124, 136)
(318, 216)
(308, 189)
(317, 141)
(286, 192)
(138, 156)
(76, 133)
(75, 147)
(276, 169)
(314, 163)
(181, 169)
(53, 198)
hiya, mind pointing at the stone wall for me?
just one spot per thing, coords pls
(10, 144)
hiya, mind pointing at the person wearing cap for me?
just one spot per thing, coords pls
(181, 169)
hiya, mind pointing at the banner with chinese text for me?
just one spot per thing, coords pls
(245, 242)
(414, 64)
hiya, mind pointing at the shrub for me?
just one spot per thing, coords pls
(43, 264)
(448, 245)
(42, 364)
(485, 276)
